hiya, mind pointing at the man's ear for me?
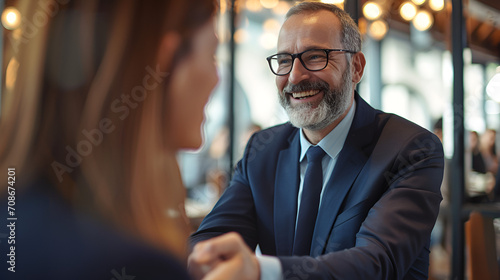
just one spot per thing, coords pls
(357, 66)
(168, 46)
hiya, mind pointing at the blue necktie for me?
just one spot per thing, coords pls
(309, 202)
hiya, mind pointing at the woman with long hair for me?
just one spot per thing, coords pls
(99, 97)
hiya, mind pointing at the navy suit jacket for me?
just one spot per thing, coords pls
(377, 210)
(52, 241)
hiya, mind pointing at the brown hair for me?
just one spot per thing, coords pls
(87, 108)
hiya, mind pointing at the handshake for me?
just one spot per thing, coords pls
(223, 257)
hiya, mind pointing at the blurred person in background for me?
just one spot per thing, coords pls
(483, 165)
(488, 150)
(478, 176)
(103, 100)
(477, 161)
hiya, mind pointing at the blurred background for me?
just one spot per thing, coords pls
(412, 49)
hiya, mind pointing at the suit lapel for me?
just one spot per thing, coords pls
(285, 198)
(351, 160)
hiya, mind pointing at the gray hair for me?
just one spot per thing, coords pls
(351, 37)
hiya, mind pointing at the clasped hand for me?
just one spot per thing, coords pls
(223, 257)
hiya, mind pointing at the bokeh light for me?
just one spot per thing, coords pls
(372, 11)
(436, 5)
(11, 18)
(408, 11)
(378, 29)
(423, 20)
(269, 4)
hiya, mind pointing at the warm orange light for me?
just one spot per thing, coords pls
(281, 8)
(269, 4)
(372, 11)
(240, 36)
(378, 29)
(11, 18)
(271, 25)
(253, 5)
(11, 73)
(423, 20)
(436, 5)
(408, 11)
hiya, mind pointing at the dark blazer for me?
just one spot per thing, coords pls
(54, 242)
(378, 208)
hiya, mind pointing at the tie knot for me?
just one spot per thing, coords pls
(315, 154)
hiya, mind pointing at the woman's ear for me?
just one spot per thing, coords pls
(357, 66)
(169, 44)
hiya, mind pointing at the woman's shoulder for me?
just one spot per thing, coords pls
(51, 241)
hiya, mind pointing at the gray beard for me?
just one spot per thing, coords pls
(335, 102)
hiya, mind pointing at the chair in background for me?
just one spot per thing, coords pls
(482, 263)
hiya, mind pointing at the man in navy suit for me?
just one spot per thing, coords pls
(381, 174)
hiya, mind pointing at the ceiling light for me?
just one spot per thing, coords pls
(408, 11)
(372, 11)
(378, 29)
(423, 20)
(436, 5)
(11, 18)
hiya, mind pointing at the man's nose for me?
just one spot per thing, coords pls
(298, 72)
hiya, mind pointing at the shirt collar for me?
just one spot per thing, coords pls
(334, 141)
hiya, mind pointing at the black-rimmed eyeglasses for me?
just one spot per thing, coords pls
(313, 60)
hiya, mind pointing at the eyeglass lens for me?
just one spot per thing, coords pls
(312, 60)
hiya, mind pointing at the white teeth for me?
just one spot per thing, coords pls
(304, 94)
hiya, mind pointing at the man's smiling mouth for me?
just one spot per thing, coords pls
(304, 94)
